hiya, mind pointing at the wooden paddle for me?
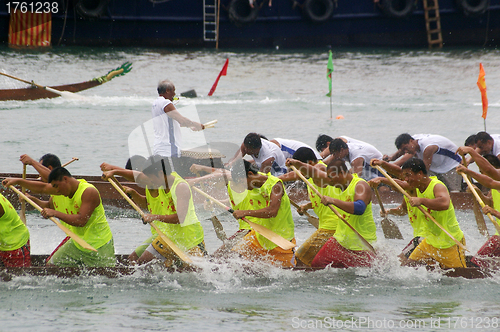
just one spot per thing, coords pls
(169, 242)
(22, 215)
(69, 162)
(389, 227)
(72, 235)
(65, 94)
(265, 232)
(64, 165)
(312, 220)
(480, 201)
(363, 240)
(476, 208)
(427, 214)
(210, 124)
(219, 230)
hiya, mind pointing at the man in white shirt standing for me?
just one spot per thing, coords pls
(167, 122)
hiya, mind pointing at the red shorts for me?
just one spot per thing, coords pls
(335, 255)
(490, 249)
(16, 258)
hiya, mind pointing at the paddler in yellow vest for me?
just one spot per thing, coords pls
(344, 248)
(487, 164)
(14, 237)
(262, 199)
(170, 204)
(416, 219)
(327, 219)
(432, 194)
(79, 207)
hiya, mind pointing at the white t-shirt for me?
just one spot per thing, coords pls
(167, 131)
(360, 149)
(445, 159)
(271, 150)
(496, 144)
(289, 146)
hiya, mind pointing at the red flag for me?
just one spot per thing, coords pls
(223, 72)
(481, 83)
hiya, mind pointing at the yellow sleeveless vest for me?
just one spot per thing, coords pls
(161, 204)
(327, 219)
(259, 198)
(435, 236)
(364, 223)
(416, 221)
(186, 235)
(241, 201)
(13, 232)
(96, 232)
(495, 195)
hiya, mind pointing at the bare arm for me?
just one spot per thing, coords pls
(39, 202)
(428, 154)
(488, 209)
(172, 112)
(139, 199)
(303, 208)
(42, 170)
(374, 183)
(483, 179)
(362, 192)
(440, 202)
(403, 159)
(357, 165)
(393, 168)
(483, 164)
(33, 186)
(394, 156)
(267, 165)
(238, 155)
(399, 211)
(288, 177)
(309, 171)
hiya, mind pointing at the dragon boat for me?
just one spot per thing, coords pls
(36, 91)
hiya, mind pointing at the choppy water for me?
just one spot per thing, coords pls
(380, 93)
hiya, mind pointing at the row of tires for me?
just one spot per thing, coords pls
(315, 10)
(321, 10)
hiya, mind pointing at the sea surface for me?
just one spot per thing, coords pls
(377, 94)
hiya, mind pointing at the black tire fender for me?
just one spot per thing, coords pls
(397, 8)
(241, 13)
(318, 11)
(473, 8)
(92, 8)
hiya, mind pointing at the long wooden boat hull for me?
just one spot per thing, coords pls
(33, 93)
(122, 269)
(109, 196)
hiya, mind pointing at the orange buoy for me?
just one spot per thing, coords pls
(340, 117)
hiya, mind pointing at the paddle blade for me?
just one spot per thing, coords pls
(271, 236)
(390, 229)
(219, 230)
(313, 221)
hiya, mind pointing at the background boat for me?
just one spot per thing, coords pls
(298, 193)
(278, 23)
(38, 92)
